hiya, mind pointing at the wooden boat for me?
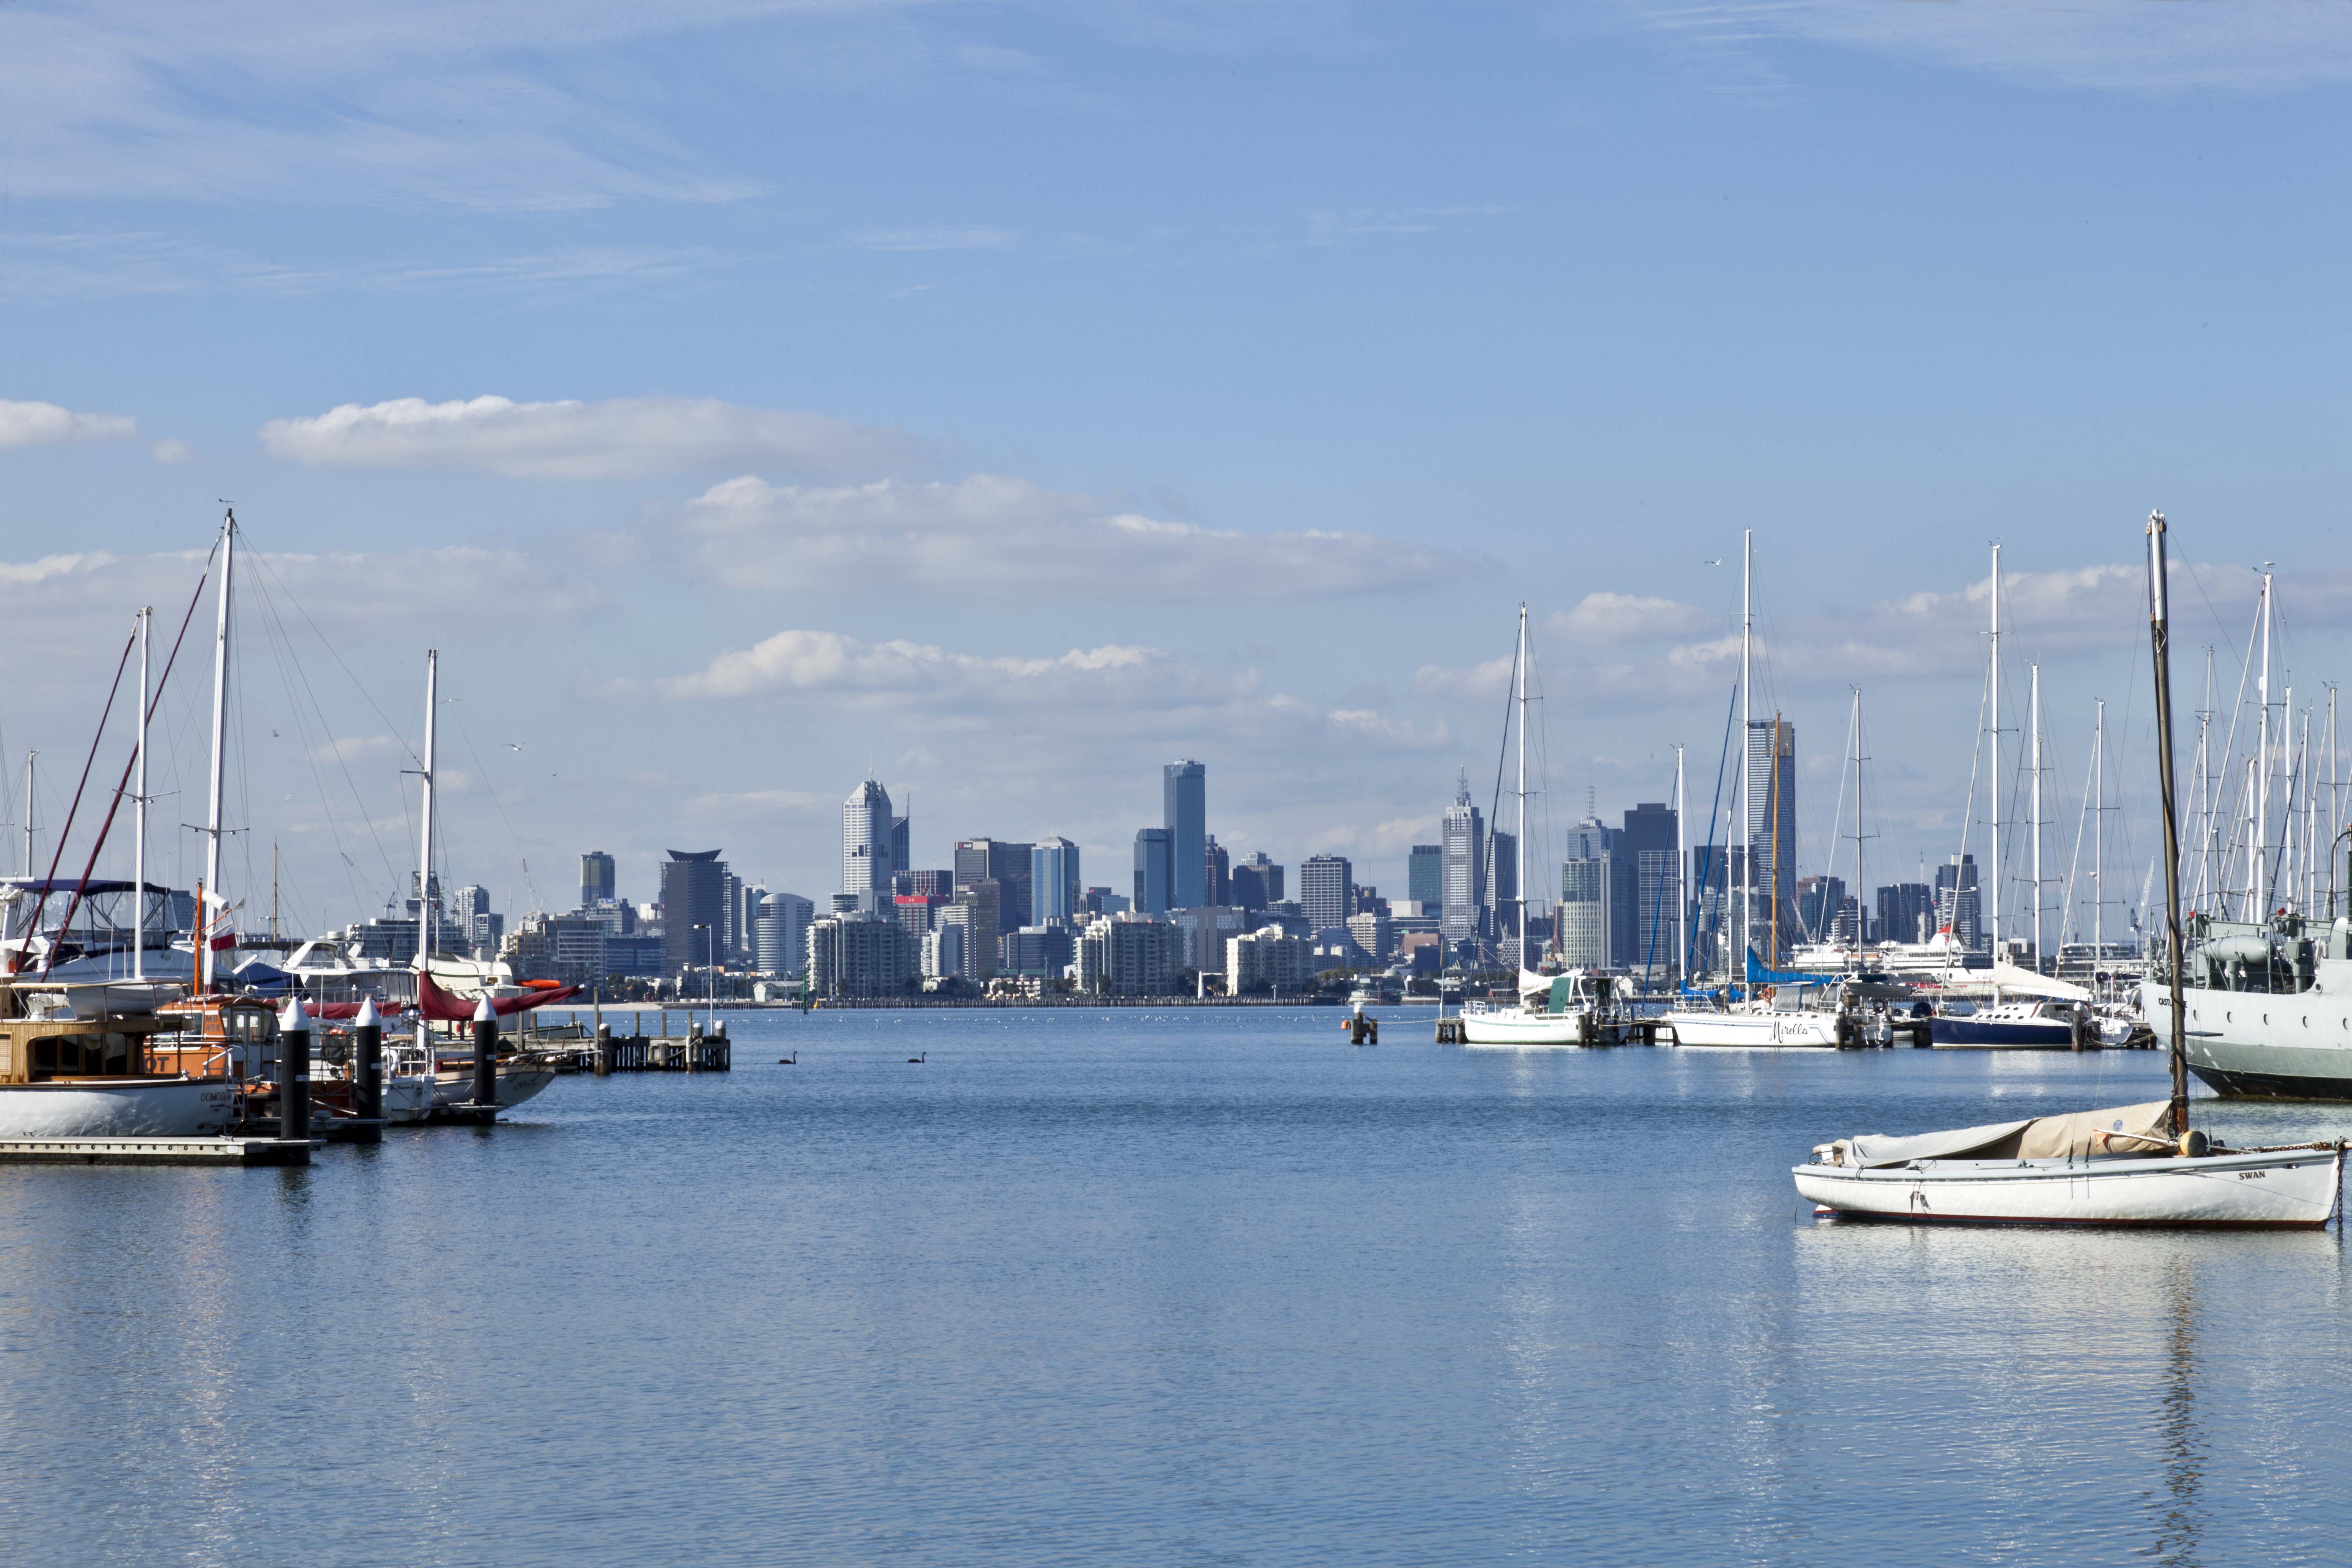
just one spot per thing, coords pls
(63, 1075)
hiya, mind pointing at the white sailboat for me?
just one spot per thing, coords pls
(2139, 1164)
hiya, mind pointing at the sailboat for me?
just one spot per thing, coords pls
(2139, 1164)
(1577, 1008)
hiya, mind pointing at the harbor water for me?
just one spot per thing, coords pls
(1201, 1286)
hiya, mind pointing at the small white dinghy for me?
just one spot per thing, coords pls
(2096, 1167)
(2141, 1164)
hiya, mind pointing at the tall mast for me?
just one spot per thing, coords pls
(220, 750)
(2159, 635)
(424, 833)
(2099, 838)
(139, 821)
(1860, 921)
(29, 756)
(2258, 897)
(1520, 873)
(2205, 784)
(2034, 800)
(1997, 781)
(1682, 857)
(1747, 912)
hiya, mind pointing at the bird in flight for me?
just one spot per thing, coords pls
(1716, 562)
(516, 745)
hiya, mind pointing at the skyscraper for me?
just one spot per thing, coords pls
(1053, 880)
(1773, 832)
(1216, 874)
(1956, 901)
(1184, 795)
(1648, 842)
(902, 845)
(1597, 898)
(1906, 912)
(1256, 882)
(1502, 889)
(1153, 872)
(595, 878)
(1004, 863)
(693, 893)
(865, 864)
(1424, 875)
(1462, 840)
(1326, 884)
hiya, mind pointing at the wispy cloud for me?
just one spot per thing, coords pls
(45, 424)
(934, 239)
(996, 532)
(578, 440)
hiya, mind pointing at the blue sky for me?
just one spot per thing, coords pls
(1056, 343)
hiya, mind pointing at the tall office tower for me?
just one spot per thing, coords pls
(901, 844)
(1647, 842)
(1216, 874)
(1503, 885)
(1424, 875)
(595, 878)
(929, 884)
(747, 918)
(1956, 901)
(693, 893)
(1773, 832)
(1906, 912)
(1053, 880)
(1185, 795)
(980, 903)
(1462, 840)
(1256, 882)
(1325, 883)
(780, 934)
(1819, 900)
(1003, 862)
(866, 865)
(730, 909)
(1153, 872)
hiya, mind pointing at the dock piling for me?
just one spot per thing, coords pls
(367, 1039)
(485, 1059)
(294, 1073)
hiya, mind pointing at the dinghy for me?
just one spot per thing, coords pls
(2141, 1164)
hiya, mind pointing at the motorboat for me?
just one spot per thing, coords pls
(1554, 1011)
(2034, 1026)
(2118, 1166)
(1829, 1015)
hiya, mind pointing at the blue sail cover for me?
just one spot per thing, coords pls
(1759, 976)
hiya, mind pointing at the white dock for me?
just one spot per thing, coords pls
(158, 1150)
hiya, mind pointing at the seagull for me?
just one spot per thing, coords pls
(1716, 562)
(516, 745)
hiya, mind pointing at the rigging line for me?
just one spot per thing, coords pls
(2074, 861)
(1836, 813)
(2230, 751)
(1706, 851)
(58, 856)
(262, 560)
(528, 880)
(281, 647)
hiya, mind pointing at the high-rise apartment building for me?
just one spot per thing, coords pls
(1957, 907)
(866, 863)
(1325, 887)
(1462, 840)
(1647, 842)
(596, 881)
(1155, 873)
(983, 903)
(1424, 875)
(1053, 880)
(1773, 832)
(693, 893)
(1184, 798)
(858, 955)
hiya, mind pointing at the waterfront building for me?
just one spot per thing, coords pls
(1183, 787)
(780, 934)
(1154, 873)
(1129, 955)
(1266, 961)
(865, 864)
(860, 955)
(1053, 880)
(1256, 882)
(1038, 952)
(917, 911)
(1216, 874)
(693, 893)
(596, 882)
(1463, 840)
(636, 956)
(569, 948)
(1325, 889)
(1204, 931)
(1372, 932)
(944, 953)
(983, 903)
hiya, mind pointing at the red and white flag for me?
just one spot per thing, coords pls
(219, 923)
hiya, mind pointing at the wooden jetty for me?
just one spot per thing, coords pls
(158, 1150)
(580, 1047)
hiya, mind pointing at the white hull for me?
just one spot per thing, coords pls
(2287, 1045)
(126, 1107)
(515, 1086)
(1537, 1031)
(2290, 1188)
(407, 1100)
(1758, 1031)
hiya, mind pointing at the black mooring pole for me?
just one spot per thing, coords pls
(294, 1072)
(485, 1057)
(367, 1034)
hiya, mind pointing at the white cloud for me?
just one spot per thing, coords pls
(45, 424)
(1000, 532)
(1605, 618)
(933, 239)
(828, 661)
(358, 749)
(169, 451)
(570, 439)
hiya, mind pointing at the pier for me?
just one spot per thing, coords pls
(158, 1150)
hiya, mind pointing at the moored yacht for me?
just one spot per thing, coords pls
(1578, 1008)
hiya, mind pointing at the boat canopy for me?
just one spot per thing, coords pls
(2025, 982)
(2120, 1129)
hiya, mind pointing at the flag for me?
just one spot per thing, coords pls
(219, 926)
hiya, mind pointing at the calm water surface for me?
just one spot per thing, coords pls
(1181, 1287)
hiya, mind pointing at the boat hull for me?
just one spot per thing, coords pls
(127, 1107)
(1754, 1031)
(1538, 1031)
(1999, 1034)
(2272, 1188)
(515, 1086)
(2252, 1045)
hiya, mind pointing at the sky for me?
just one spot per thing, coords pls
(1005, 399)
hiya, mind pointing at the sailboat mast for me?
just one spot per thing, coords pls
(2034, 801)
(1747, 912)
(2258, 896)
(29, 757)
(1682, 857)
(2204, 803)
(1519, 872)
(220, 753)
(139, 820)
(1859, 920)
(1994, 910)
(2159, 635)
(424, 832)
(2099, 838)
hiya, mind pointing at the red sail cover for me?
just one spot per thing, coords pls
(336, 1011)
(442, 1009)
